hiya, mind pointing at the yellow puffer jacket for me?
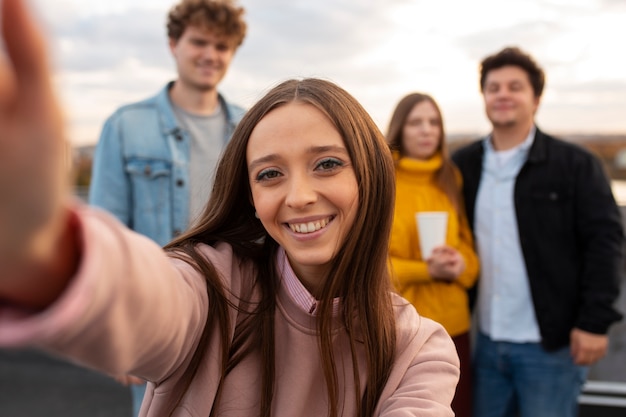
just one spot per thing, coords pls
(444, 302)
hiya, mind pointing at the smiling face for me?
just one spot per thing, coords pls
(202, 57)
(303, 186)
(421, 134)
(509, 97)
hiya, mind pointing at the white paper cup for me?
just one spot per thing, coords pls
(431, 230)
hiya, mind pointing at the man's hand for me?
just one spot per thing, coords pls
(587, 348)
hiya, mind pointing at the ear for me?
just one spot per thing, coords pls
(172, 44)
(537, 101)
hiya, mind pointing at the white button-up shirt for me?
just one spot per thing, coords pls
(505, 307)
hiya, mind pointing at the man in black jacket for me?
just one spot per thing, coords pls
(550, 241)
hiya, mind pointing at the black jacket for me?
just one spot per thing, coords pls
(570, 231)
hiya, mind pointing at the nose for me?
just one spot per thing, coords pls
(503, 92)
(209, 51)
(301, 191)
(425, 127)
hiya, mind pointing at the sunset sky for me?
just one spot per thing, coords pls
(111, 52)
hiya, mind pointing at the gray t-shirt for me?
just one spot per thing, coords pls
(207, 134)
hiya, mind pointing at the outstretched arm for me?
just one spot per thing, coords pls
(38, 249)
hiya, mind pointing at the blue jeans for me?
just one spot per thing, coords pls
(523, 380)
(137, 392)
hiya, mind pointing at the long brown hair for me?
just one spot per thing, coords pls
(359, 273)
(447, 176)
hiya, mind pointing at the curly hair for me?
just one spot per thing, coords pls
(518, 58)
(220, 16)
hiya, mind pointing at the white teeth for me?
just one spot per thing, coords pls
(309, 227)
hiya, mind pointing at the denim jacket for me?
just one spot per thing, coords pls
(141, 166)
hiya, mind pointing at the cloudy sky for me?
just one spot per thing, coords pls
(111, 52)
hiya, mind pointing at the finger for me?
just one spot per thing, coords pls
(581, 360)
(25, 78)
(437, 250)
(588, 356)
(586, 360)
(25, 47)
(7, 82)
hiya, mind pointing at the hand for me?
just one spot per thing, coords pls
(587, 348)
(33, 175)
(445, 263)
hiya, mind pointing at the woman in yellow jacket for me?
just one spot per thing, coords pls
(427, 180)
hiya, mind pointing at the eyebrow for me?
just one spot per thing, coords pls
(313, 150)
(507, 82)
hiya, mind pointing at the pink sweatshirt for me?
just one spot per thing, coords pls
(132, 309)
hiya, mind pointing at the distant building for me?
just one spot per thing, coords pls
(82, 158)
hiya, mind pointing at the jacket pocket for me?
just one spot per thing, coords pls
(150, 180)
(553, 209)
(551, 195)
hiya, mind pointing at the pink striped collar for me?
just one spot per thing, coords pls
(296, 290)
